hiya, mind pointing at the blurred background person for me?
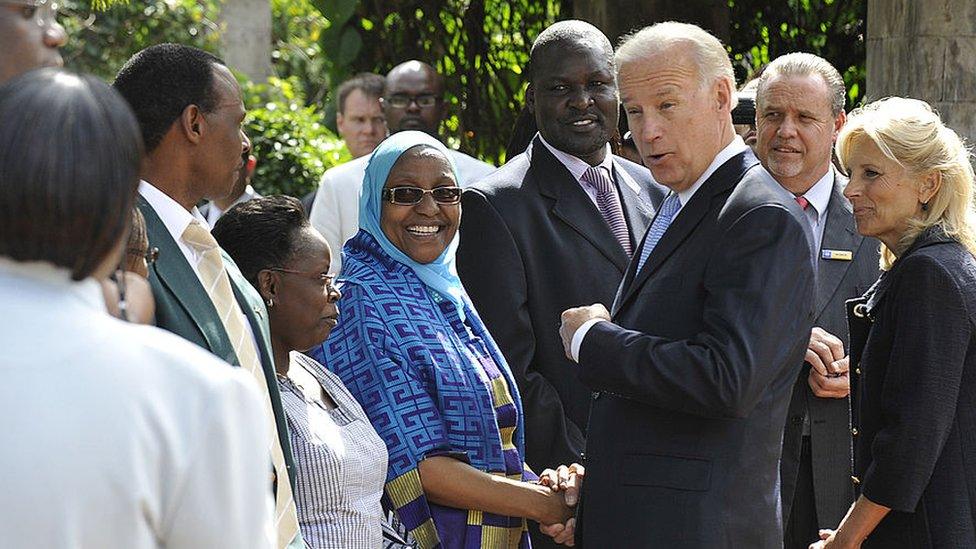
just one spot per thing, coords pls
(913, 334)
(241, 192)
(413, 351)
(413, 99)
(800, 100)
(30, 37)
(360, 121)
(128, 289)
(340, 460)
(744, 113)
(149, 421)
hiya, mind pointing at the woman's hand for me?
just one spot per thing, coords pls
(568, 480)
(828, 540)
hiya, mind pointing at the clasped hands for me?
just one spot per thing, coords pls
(567, 480)
(829, 376)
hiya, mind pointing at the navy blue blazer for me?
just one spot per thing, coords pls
(693, 377)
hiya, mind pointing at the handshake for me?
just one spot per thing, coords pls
(560, 522)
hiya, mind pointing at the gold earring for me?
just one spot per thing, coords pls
(270, 302)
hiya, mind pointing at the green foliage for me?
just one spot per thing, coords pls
(480, 47)
(100, 43)
(833, 29)
(292, 146)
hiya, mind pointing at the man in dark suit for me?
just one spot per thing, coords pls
(692, 371)
(535, 239)
(800, 110)
(190, 112)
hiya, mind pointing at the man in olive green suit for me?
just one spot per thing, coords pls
(190, 112)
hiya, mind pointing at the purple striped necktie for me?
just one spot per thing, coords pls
(608, 203)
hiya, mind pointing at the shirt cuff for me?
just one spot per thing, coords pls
(574, 347)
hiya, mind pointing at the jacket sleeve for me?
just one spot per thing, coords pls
(757, 312)
(930, 339)
(491, 268)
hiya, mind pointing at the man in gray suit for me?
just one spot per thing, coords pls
(799, 111)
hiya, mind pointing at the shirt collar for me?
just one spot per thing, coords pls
(576, 166)
(819, 194)
(735, 147)
(174, 216)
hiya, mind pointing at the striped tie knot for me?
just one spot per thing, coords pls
(608, 203)
(198, 237)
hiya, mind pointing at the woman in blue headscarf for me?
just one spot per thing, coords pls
(413, 351)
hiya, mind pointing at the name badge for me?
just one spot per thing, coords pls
(837, 255)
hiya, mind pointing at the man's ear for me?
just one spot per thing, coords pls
(723, 94)
(192, 123)
(268, 285)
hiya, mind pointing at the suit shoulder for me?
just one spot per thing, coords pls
(509, 178)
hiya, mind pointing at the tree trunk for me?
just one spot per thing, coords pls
(246, 37)
(925, 50)
(619, 17)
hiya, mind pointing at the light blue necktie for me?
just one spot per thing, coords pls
(659, 226)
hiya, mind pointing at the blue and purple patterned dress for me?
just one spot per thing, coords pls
(431, 384)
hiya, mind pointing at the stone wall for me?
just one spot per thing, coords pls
(925, 49)
(246, 37)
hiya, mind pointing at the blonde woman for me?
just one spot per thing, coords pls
(914, 387)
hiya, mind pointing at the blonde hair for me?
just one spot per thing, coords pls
(911, 133)
(711, 59)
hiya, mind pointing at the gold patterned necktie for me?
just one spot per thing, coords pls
(214, 277)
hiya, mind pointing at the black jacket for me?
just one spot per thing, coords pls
(914, 390)
(533, 245)
(693, 377)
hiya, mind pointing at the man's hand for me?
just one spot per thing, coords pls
(569, 480)
(573, 318)
(824, 353)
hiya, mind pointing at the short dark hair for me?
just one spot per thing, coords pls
(70, 152)
(369, 83)
(161, 81)
(260, 233)
(566, 32)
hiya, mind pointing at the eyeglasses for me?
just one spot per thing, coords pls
(44, 12)
(411, 196)
(402, 101)
(326, 279)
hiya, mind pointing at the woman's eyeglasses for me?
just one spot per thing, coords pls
(411, 196)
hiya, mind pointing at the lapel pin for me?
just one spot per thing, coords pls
(837, 255)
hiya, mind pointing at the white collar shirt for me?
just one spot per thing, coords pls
(737, 146)
(214, 212)
(819, 198)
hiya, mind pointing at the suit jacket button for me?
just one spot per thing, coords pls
(596, 395)
(854, 431)
(855, 480)
(797, 420)
(857, 371)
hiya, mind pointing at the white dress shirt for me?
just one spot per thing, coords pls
(335, 211)
(737, 146)
(119, 435)
(214, 212)
(819, 198)
(176, 219)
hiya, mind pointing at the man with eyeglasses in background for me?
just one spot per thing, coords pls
(29, 37)
(413, 100)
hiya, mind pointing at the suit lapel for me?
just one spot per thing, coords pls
(177, 277)
(691, 214)
(572, 205)
(637, 210)
(839, 234)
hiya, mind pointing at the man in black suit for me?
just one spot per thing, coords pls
(800, 110)
(693, 369)
(534, 240)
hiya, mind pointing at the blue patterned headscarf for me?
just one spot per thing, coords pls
(440, 274)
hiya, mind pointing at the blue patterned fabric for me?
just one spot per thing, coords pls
(440, 274)
(431, 384)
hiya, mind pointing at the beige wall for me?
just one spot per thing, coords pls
(925, 49)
